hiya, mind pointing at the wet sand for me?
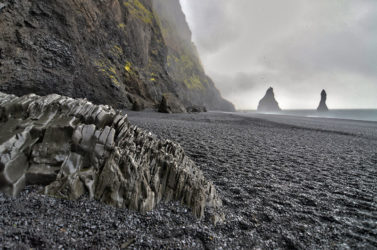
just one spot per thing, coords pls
(285, 182)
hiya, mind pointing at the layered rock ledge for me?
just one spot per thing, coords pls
(73, 148)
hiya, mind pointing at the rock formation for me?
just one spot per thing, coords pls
(196, 109)
(268, 103)
(171, 104)
(73, 147)
(322, 107)
(122, 53)
(183, 63)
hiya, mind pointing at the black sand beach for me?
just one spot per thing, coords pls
(285, 183)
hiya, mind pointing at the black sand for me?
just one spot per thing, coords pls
(285, 182)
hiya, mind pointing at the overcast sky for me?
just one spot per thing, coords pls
(298, 47)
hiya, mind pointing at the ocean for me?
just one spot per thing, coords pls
(348, 114)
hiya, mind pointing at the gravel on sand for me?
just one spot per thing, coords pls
(285, 183)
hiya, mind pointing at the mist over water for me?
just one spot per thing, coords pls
(348, 114)
(299, 47)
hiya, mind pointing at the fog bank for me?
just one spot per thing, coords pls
(299, 47)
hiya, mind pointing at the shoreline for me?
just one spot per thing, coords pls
(307, 113)
(350, 126)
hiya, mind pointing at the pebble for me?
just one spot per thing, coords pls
(271, 215)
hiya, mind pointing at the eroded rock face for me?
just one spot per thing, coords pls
(171, 104)
(193, 86)
(268, 102)
(75, 148)
(322, 107)
(110, 51)
(196, 109)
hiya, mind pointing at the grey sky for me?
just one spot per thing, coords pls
(298, 47)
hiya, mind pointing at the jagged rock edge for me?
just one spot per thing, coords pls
(100, 153)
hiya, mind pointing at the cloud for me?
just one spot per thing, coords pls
(297, 46)
(219, 27)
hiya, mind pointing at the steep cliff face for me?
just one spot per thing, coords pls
(110, 51)
(183, 62)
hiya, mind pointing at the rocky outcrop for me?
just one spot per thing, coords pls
(322, 107)
(171, 104)
(268, 103)
(76, 148)
(114, 52)
(196, 109)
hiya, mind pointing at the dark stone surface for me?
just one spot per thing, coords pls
(308, 185)
(171, 104)
(322, 107)
(138, 104)
(196, 109)
(2, 6)
(268, 103)
(73, 147)
(302, 185)
(110, 52)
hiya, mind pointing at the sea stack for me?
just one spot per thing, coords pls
(268, 102)
(322, 105)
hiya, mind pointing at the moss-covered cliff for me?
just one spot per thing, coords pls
(183, 63)
(117, 52)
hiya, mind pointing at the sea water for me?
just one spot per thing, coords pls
(349, 114)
